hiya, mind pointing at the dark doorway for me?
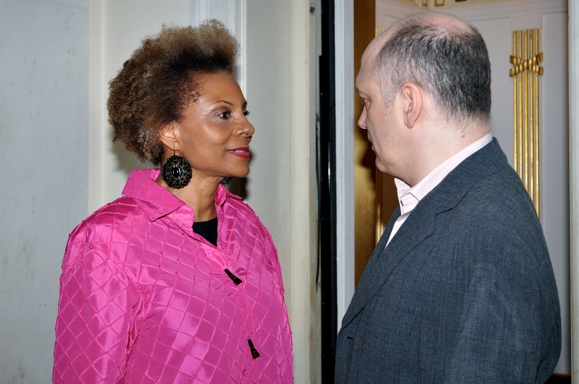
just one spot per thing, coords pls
(327, 192)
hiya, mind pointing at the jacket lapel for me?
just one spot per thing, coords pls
(384, 260)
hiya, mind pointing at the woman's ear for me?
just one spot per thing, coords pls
(168, 134)
(412, 103)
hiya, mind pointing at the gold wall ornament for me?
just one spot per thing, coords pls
(526, 59)
(520, 65)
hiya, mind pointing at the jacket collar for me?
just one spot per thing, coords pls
(156, 201)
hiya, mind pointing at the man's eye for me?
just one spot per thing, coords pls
(225, 115)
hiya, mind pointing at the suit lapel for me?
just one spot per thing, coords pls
(421, 223)
(384, 260)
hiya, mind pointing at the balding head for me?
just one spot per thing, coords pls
(440, 52)
(425, 84)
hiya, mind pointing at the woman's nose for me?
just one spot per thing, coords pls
(247, 129)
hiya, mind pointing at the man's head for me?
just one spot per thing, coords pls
(430, 70)
(443, 54)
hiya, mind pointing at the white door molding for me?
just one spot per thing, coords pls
(232, 13)
(573, 13)
(344, 52)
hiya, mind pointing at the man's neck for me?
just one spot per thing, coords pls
(444, 143)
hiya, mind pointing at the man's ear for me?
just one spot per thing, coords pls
(412, 99)
(169, 136)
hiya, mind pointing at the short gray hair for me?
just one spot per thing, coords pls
(450, 63)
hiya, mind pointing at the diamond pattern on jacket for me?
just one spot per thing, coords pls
(144, 299)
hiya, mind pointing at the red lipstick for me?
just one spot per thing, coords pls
(240, 152)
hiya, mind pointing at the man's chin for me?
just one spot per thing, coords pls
(380, 166)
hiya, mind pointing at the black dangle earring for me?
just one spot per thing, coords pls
(225, 181)
(176, 171)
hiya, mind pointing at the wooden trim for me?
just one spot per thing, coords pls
(557, 378)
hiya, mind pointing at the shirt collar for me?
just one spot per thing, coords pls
(409, 197)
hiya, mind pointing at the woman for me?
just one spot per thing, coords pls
(177, 281)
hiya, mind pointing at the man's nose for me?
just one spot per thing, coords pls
(362, 119)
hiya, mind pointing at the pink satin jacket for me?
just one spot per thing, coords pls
(143, 299)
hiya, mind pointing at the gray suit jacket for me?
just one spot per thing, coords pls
(464, 292)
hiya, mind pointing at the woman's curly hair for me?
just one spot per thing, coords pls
(160, 79)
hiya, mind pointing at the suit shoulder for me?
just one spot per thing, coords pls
(500, 194)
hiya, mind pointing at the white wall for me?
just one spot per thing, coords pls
(117, 28)
(555, 167)
(43, 152)
(573, 84)
(281, 87)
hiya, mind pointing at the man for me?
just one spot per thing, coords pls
(460, 288)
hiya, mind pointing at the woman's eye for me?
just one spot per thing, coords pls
(225, 115)
(246, 113)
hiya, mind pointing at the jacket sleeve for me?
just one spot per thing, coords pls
(96, 310)
(500, 340)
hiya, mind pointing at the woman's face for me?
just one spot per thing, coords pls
(214, 133)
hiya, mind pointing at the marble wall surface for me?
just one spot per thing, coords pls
(43, 152)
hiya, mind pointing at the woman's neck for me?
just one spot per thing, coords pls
(198, 194)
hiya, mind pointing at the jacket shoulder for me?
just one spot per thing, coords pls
(120, 213)
(109, 225)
